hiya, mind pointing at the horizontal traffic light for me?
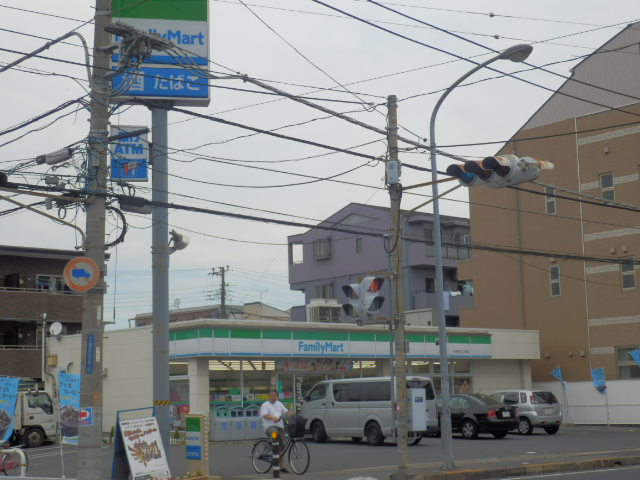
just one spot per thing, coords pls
(498, 171)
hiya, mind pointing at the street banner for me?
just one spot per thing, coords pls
(145, 453)
(635, 354)
(557, 373)
(8, 399)
(597, 374)
(69, 393)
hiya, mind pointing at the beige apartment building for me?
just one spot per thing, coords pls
(587, 311)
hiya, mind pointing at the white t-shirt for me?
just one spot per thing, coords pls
(276, 409)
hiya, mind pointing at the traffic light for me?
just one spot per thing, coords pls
(499, 171)
(364, 298)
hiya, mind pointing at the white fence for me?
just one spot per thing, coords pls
(583, 404)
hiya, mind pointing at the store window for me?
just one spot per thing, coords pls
(606, 186)
(550, 200)
(554, 280)
(628, 272)
(627, 366)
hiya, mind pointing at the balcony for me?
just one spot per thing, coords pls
(29, 303)
(20, 361)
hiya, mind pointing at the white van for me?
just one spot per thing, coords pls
(361, 407)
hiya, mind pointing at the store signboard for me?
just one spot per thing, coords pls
(297, 343)
(144, 450)
(185, 23)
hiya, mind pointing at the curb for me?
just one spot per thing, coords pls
(531, 469)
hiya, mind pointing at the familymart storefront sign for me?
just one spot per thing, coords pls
(228, 342)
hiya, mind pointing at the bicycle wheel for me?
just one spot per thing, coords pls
(299, 456)
(261, 456)
(10, 464)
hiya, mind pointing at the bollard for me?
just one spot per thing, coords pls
(275, 459)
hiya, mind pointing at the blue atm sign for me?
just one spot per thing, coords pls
(129, 155)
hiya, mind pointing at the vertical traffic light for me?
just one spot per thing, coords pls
(364, 298)
(355, 307)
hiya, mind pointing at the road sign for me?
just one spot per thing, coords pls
(81, 274)
(185, 23)
(129, 155)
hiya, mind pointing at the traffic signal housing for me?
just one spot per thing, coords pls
(364, 299)
(499, 171)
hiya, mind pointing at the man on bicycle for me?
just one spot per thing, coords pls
(272, 412)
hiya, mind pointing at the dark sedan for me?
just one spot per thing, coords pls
(477, 413)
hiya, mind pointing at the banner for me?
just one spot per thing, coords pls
(635, 354)
(69, 392)
(598, 379)
(557, 373)
(8, 399)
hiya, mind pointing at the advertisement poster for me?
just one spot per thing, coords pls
(8, 398)
(69, 391)
(145, 452)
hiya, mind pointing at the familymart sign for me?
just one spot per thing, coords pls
(226, 342)
(185, 23)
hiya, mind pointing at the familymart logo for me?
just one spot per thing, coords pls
(321, 347)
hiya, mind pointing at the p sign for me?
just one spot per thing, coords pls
(81, 274)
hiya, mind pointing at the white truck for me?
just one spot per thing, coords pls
(34, 420)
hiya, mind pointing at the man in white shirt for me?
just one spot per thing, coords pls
(272, 412)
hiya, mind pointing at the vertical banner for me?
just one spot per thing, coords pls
(557, 373)
(8, 399)
(635, 354)
(597, 374)
(69, 393)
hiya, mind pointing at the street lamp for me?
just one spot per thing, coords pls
(517, 53)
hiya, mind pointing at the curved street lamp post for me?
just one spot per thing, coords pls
(517, 53)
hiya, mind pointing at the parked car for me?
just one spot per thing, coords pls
(536, 408)
(477, 413)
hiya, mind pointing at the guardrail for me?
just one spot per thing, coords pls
(21, 454)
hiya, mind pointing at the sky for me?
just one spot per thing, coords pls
(307, 49)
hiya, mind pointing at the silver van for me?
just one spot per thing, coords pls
(536, 408)
(361, 407)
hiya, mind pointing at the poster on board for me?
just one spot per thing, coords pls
(143, 445)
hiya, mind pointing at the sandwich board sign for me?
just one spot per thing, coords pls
(138, 450)
(129, 154)
(166, 77)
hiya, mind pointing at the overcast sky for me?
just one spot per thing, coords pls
(299, 46)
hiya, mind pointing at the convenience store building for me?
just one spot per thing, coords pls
(227, 364)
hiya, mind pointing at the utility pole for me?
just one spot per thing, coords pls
(223, 289)
(89, 447)
(392, 170)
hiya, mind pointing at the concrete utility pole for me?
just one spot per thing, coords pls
(160, 269)
(223, 289)
(89, 447)
(392, 169)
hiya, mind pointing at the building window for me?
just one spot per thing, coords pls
(322, 248)
(554, 280)
(606, 186)
(550, 200)
(324, 291)
(628, 272)
(429, 285)
(52, 283)
(359, 245)
(627, 366)
(429, 249)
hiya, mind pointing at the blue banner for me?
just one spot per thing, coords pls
(635, 354)
(598, 379)
(557, 373)
(8, 399)
(69, 391)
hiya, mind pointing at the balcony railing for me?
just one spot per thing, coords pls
(20, 347)
(38, 290)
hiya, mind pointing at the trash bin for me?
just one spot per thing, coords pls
(221, 424)
(237, 423)
(252, 422)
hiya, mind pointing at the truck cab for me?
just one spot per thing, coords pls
(34, 420)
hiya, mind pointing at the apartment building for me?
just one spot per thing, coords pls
(587, 311)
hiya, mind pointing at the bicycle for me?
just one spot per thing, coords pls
(295, 448)
(11, 462)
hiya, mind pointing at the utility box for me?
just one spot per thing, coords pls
(417, 409)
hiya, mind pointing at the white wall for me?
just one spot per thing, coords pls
(492, 375)
(129, 372)
(585, 405)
